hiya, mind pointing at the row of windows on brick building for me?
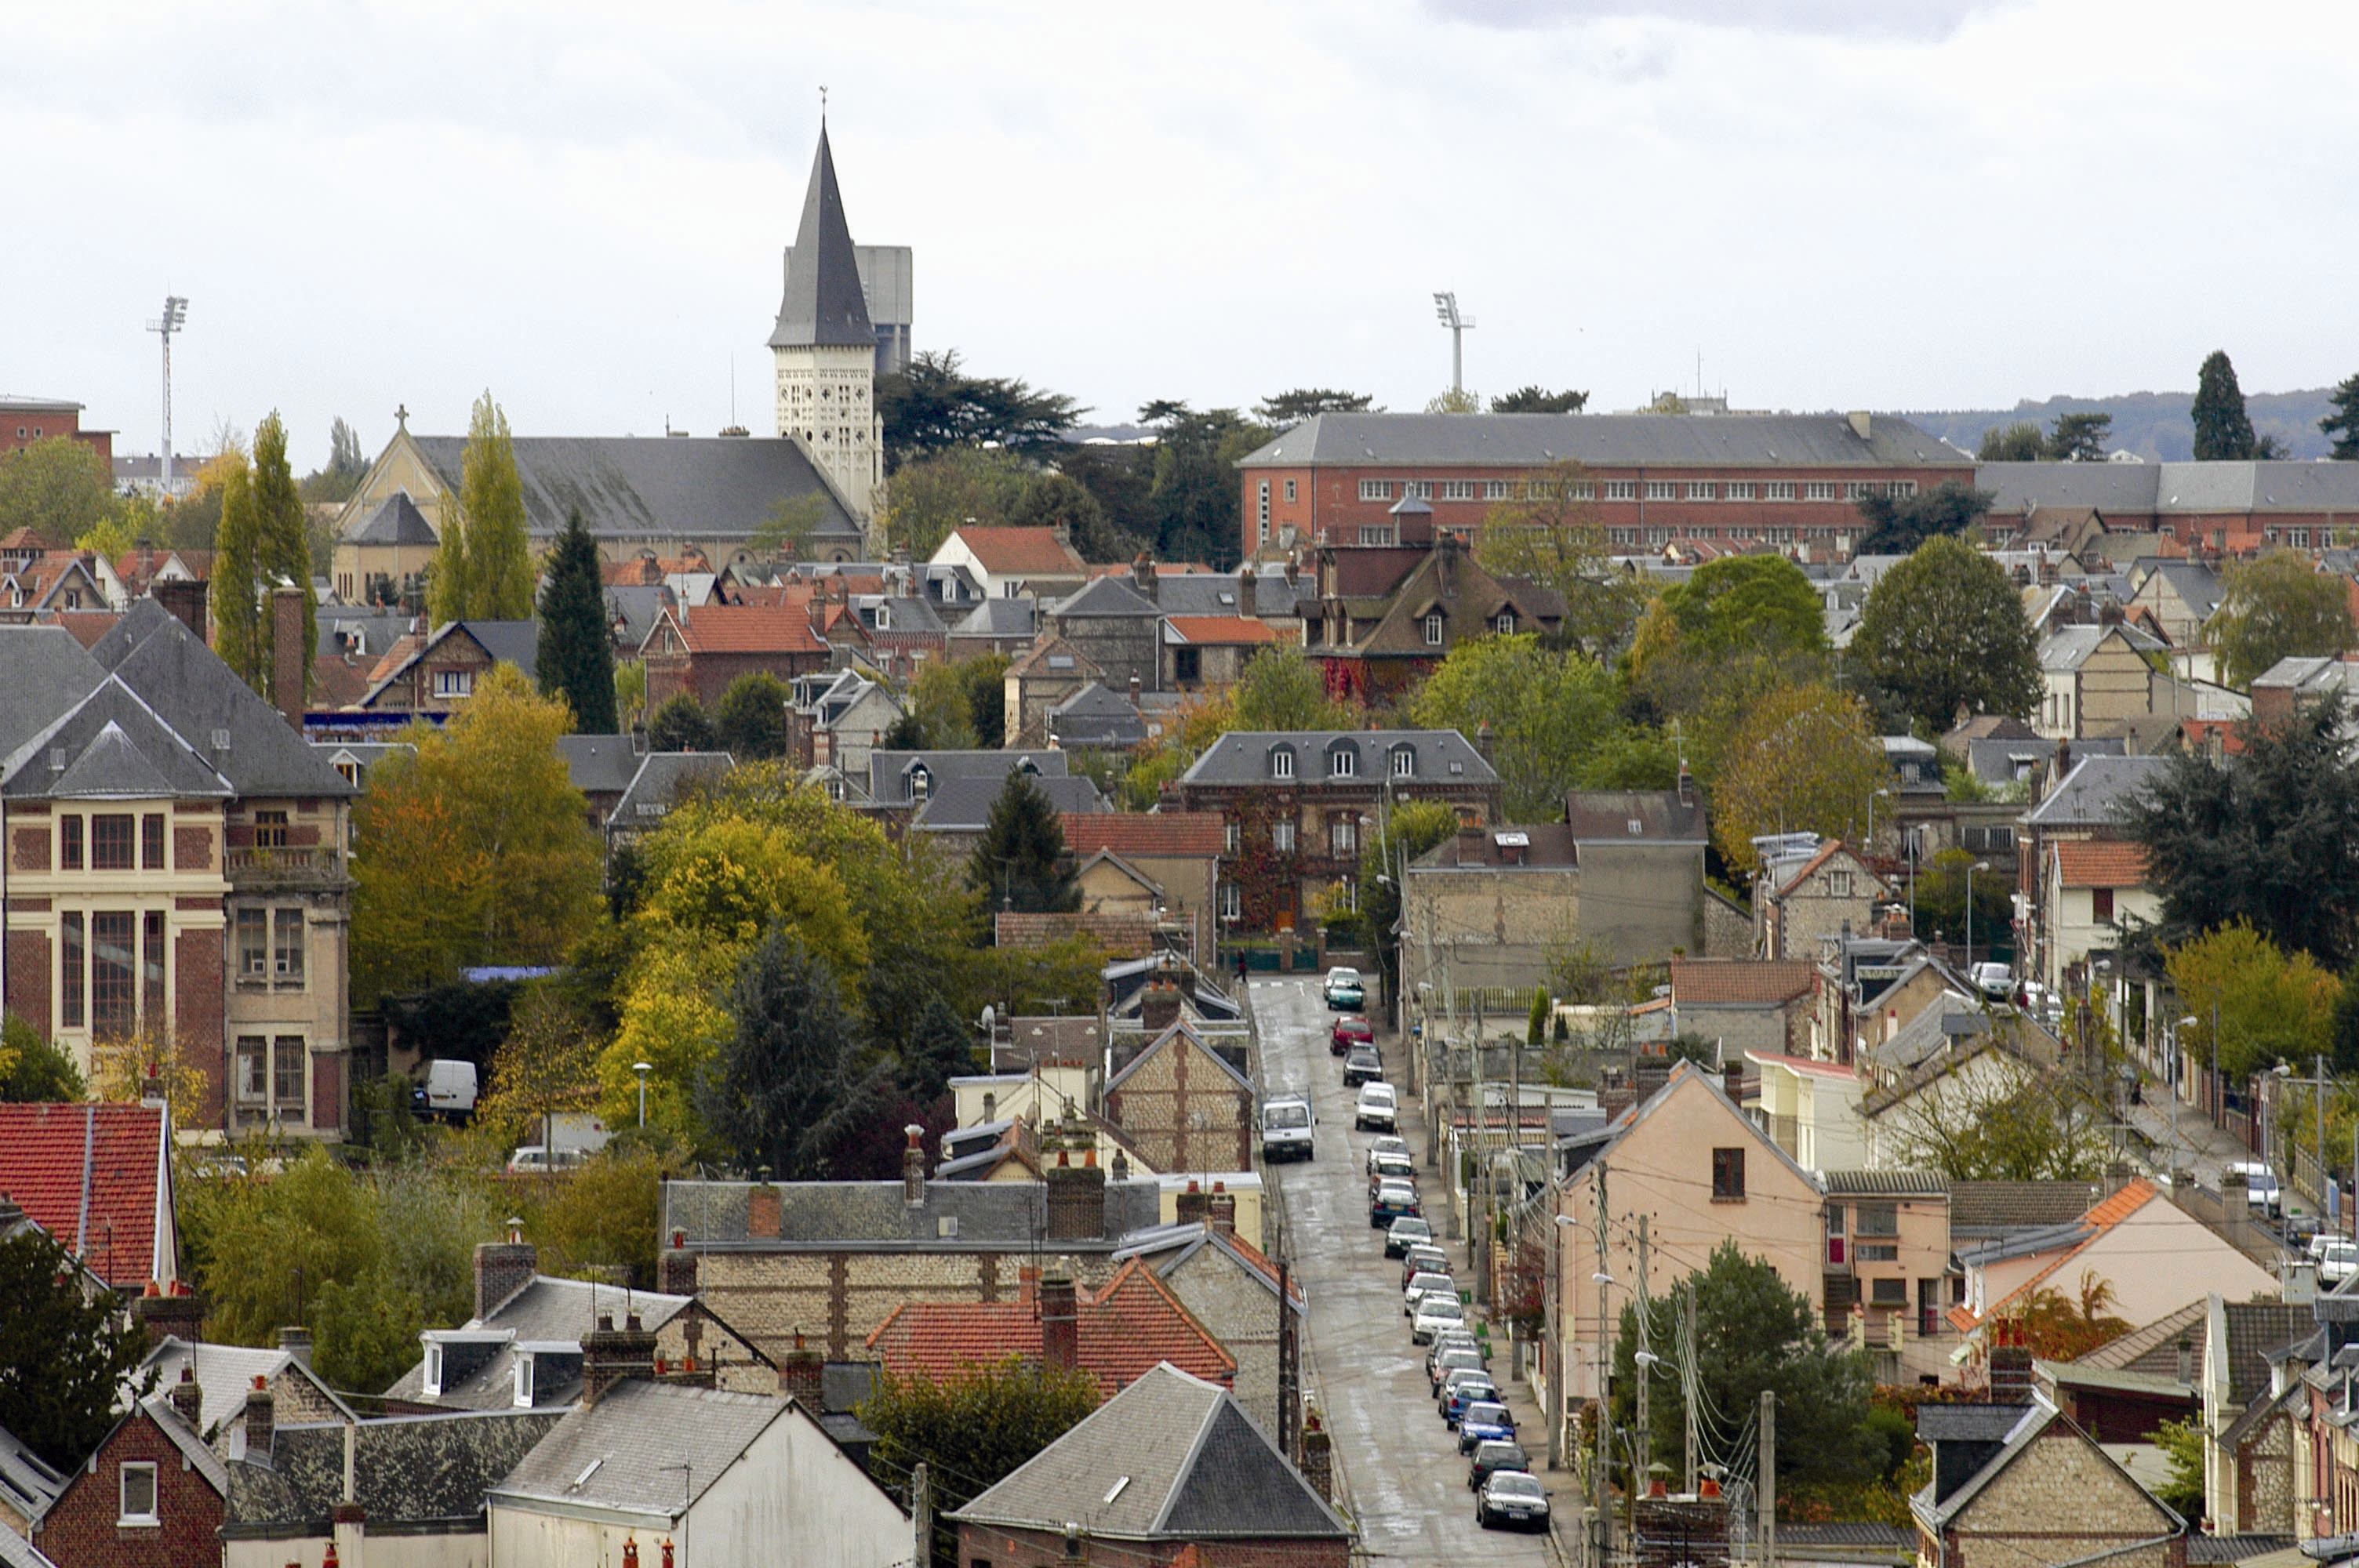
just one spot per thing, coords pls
(1630, 489)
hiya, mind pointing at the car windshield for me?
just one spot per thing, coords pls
(1295, 1115)
(1514, 1483)
(1362, 1056)
(1431, 1282)
(1342, 977)
(1488, 1413)
(1441, 1306)
(1416, 1229)
(1376, 1094)
(1390, 1145)
(1461, 1360)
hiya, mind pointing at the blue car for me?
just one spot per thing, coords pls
(1466, 1397)
(1484, 1422)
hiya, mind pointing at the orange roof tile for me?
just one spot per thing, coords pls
(87, 1174)
(2099, 1220)
(1122, 1332)
(749, 629)
(1222, 629)
(1021, 550)
(1135, 833)
(1740, 979)
(2100, 865)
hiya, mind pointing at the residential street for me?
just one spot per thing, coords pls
(1398, 1466)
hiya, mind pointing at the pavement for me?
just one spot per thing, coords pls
(2179, 1135)
(1399, 1471)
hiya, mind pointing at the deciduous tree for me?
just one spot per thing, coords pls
(1194, 501)
(680, 724)
(1944, 631)
(1896, 525)
(1281, 688)
(2020, 442)
(282, 535)
(473, 846)
(1407, 831)
(238, 620)
(1547, 534)
(1548, 712)
(2057, 1327)
(1803, 761)
(63, 1360)
(33, 1070)
(980, 1423)
(58, 487)
(2223, 432)
(2269, 1005)
(750, 719)
(1020, 863)
(2281, 606)
(575, 660)
(1737, 605)
(2003, 1120)
(489, 576)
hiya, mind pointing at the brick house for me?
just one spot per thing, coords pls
(1228, 1285)
(1294, 803)
(2213, 508)
(1379, 645)
(1185, 1106)
(436, 672)
(177, 861)
(152, 1494)
(1733, 478)
(24, 420)
(700, 651)
(1220, 1496)
(2021, 1486)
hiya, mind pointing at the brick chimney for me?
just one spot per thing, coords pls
(1247, 584)
(1060, 1323)
(1319, 1457)
(764, 1211)
(186, 1396)
(1687, 787)
(677, 1269)
(295, 1340)
(1223, 1209)
(1142, 575)
(611, 1355)
(802, 1376)
(503, 1268)
(173, 1313)
(913, 1167)
(1158, 1007)
(2010, 1374)
(1195, 1204)
(1486, 744)
(261, 1421)
(1732, 1080)
(290, 657)
(1076, 1198)
(186, 603)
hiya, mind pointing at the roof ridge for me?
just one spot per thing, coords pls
(1187, 1465)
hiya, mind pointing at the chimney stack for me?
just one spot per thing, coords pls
(290, 655)
(1319, 1457)
(1687, 787)
(261, 1421)
(1142, 575)
(678, 1267)
(174, 1313)
(2010, 1374)
(802, 1376)
(1076, 1200)
(1195, 1204)
(1060, 1325)
(1158, 1006)
(611, 1355)
(296, 1341)
(1732, 1081)
(503, 1268)
(1223, 1209)
(186, 1396)
(185, 602)
(1246, 586)
(913, 1167)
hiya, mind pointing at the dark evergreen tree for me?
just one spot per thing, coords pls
(2078, 439)
(935, 1051)
(1020, 864)
(680, 725)
(1291, 408)
(907, 733)
(576, 656)
(2223, 433)
(987, 698)
(1539, 400)
(2020, 442)
(935, 405)
(749, 722)
(2269, 835)
(789, 1081)
(1897, 524)
(2342, 425)
(63, 1360)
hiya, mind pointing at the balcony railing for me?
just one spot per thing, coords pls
(308, 865)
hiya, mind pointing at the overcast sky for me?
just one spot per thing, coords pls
(580, 205)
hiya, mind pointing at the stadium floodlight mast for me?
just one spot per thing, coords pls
(1445, 307)
(176, 314)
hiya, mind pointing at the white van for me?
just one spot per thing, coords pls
(1286, 1127)
(447, 1089)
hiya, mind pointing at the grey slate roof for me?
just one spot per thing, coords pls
(28, 1484)
(1607, 813)
(193, 1451)
(1094, 716)
(15, 1551)
(2197, 585)
(1886, 1184)
(1106, 596)
(600, 764)
(655, 787)
(889, 771)
(1188, 1464)
(651, 489)
(1242, 756)
(1215, 594)
(1992, 1206)
(871, 1216)
(514, 642)
(545, 1310)
(998, 618)
(823, 304)
(963, 804)
(2153, 1348)
(412, 1469)
(109, 746)
(397, 521)
(2093, 792)
(368, 633)
(1607, 440)
(223, 1374)
(2173, 488)
(639, 606)
(640, 1434)
(2069, 647)
(49, 672)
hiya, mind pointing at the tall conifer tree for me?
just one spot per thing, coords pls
(499, 563)
(576, 658)
(2223, 432)
(283, 545)
(237, 563)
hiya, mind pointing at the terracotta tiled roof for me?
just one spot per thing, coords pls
(1222, 629)
(2098, 1221)
(88, 1175)
(2094, 864)
(1766, 981)
(749, 629)
(87, 625)
(1122, 1332)
(1134, 833)
(1002, 551)
(1123, 935)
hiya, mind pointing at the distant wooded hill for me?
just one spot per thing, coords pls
(2155, 425)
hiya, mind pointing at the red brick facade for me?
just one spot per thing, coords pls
(84, 1528)
(22, 424)
(28, 975)
(197, 965)
(1007, 1548)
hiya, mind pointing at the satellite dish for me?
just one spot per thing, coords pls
(987, 1016)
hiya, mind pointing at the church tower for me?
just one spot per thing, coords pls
(824, 348)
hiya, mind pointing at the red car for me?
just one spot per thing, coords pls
(1349, 1031)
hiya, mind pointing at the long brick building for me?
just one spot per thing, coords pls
(1651, 478)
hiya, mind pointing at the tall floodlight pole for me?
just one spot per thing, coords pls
(1445, 307)
(176, 312)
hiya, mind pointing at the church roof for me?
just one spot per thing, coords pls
(824, 305)
(654, 490)
(398, 522)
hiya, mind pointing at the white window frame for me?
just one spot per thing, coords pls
(1232, 836)
(454, 683)
(1265, 507)
(123, 1472)
(1433, 630)
(1704, 491)
(1376, 489)
(1404, 763)
(1495, 490)
(1233, 902)
(1290, 491)
(1662, 490)
(1343, 763)
(1281, 836)
(1342, 836)
(1779, 489)
(1901, 489)
(1819, 490)
(1585, 490)
(1740, 490)
(1459, 490)
(433, 1373)
(1281, 762)
(1860, 489)
(1506, 624)
(1621, 489)
(1421, 489)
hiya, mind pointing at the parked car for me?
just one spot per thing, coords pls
(1484, 1420)
(1286, 1124)
(1435, 1312)
(1362, 1065)
(1405, 1233)
(1349, 1030)
(1511, 1499)
(533, 1157)
(446, 1090)
(2260, 1185)
(1344, 993)
(1387, 1144)
(1491, 1457)
(1376, 1107)
(1430, 1280)
(1992, 980)
(2340, 1263)
(1423, 1259)
(1398, 1166)
(1449, 1358)
(1392, 1200)
(1462, 1338)
(1457, 1393)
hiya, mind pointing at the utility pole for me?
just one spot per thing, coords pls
(922, 1511)
(1642, 1464)
(1289, 1396)
(1767, 1489)
(1687, 1387)
(1602, 1521)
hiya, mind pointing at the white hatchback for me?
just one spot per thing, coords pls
(1376, 1107)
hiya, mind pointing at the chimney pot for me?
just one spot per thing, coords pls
(1060, 1321)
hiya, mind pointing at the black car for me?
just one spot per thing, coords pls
(1491, 1457)
(1511, 1499)
(1362, 1065)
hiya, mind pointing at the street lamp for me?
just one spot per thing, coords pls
(1971, 868)
(643, 1069)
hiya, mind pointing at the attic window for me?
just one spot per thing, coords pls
(1403, 762)
(433, 1379)
(1433, 630)
(946, 1227)
(1281, 763)
(1637, 827)
(1060, 661)
(1343, 763)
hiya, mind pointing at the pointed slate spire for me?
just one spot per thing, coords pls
(824, 305)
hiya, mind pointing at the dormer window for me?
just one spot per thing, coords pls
(433, 1382)
(921, 782)
(524, 1382)
(883, 618)
(1281, 762)
(1433, 630)
(1403, 762)
(1506, 624)
(1343, 763)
